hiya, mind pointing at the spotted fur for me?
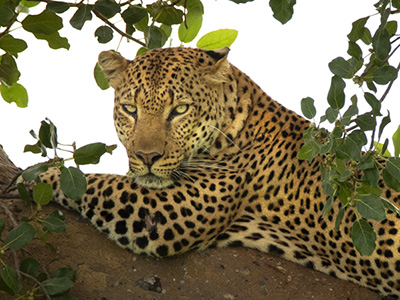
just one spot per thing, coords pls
(214, 162)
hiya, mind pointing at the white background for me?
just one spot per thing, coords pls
(289, 62)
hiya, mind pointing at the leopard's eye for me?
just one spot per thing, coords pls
(130, 109)
(179, 110)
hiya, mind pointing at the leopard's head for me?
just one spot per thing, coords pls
(171, 105)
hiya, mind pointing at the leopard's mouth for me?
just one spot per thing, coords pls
(153, 181)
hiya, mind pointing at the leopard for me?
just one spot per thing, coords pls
(213, 162)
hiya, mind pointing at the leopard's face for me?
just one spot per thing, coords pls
(166, 113)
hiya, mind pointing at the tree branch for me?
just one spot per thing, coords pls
(104, 19)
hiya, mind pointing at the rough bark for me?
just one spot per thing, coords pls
(7, 168)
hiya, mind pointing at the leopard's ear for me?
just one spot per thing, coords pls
(113, 66)
(218, 73)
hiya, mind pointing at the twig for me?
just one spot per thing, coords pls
(104, 19)
(37, 282)
(10, 196)
(9, 214)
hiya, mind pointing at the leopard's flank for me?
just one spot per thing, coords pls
(214, 162)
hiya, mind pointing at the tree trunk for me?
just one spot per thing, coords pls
(7, 169)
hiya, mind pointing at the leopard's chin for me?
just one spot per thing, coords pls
(154, 182)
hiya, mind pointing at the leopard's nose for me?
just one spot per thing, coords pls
(148, 158)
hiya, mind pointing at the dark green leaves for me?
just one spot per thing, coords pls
(83, 14)
(134, 14)
(363, 237)
(46, 23)
(283, 9)
(11, 45)
(307, 107)
(358, 30)
(336, 93)
(20, 236)
(90, 154)
(73, 183)
(107, 8)
(384, 75)
(371, 207)
(104, 34)
(341, 68)
(42, 193)
(10, 278)
(55, 222)
(57, 285)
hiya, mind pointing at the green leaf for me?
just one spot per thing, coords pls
(306, 152)
(307, 107)
(386, 120)
(384, 75)
(381, 44)
(339, 218)
(374, 103)
(55, 222)
(390, 181)
(194, 20)
(350, 112)
(169, 15)
(371, 86)
(58, 285)
(57, 7)
(100, 78)
(29, 4)
(141, 51)
(73, 183)
(327, 207)
(11, 45)
(107, 8)
(54, 40)
(396, 141)
(154, 37)
(42, 193)
(354, 50)
(390, 206)
(89, 154)
(9, 73)
(340, 67)
(46, 23)
(104, 34)
(217, 39)
(66, 272)
(10, 278)
(353, 144)
(24, 194)
(366, 122)
(134, 14)
(83, 14)
(48, 134)
(393, 167)
(336, 95)
(20, 236)
(241, 1)
(283, 9)
(396, 3)
(363, 236)
(15, 93)
(33, 172)
(357, 30)
(391, 28)
(370, 207)
(331, 114)
(30, 266)
(6, 14)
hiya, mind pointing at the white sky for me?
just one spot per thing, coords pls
(289, 62)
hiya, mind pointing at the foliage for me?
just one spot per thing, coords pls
(148, 25)
(351, 167)
(29, 280)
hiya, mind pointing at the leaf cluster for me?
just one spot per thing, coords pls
(351, 169)
(29, 280)
(147, 25)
